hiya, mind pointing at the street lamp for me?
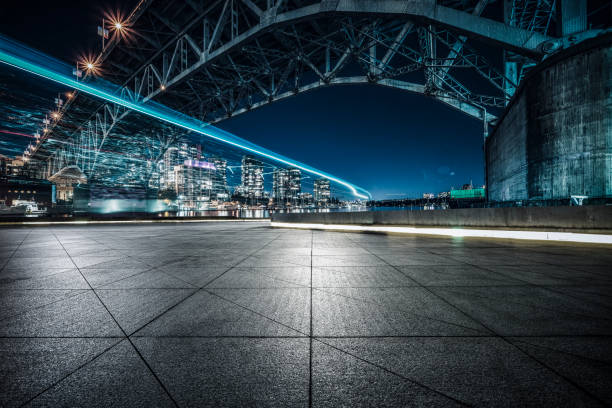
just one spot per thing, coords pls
(89, 64)
(118, 24)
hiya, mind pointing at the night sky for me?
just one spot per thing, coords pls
(390, 142)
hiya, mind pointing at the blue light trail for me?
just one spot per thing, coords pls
(19, 56)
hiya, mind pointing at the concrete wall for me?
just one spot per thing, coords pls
(555, 138)
(585, 218)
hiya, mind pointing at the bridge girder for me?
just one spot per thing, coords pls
(217, 59)
(209, 50)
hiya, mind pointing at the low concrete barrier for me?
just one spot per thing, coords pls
(584, 218)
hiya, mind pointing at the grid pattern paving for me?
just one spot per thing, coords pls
(239, 314)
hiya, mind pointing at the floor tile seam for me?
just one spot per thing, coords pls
(77, 292)
(296, 286)
(240, 261)
(168, 274)
(607, 363)
(161, 313)
(529, 284)
(554, 289)
(440, 298)
(348, 273)
(118, 325)
(120, 279)
(15, 251)
(575, 384)
(157, 378)
(539, 251)
(310, 329)
(164, 235)
(282, 262)
(219, 336)
(86, 363)
(488, 298)
(389, 371)
(526, 284)
(64, 270)
(254, 311)
(127, 255)
(94, 266)
(284, 280)
(147, 288)
(39, 289)
(151, 267)
(602, 274)
(528, 355)
(196, 290)
(397, 309)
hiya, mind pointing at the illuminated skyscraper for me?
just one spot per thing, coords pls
(287, 185)
(295, 184)
(171, 159)
(280, 183)
(322, 192)
(219, 179)
(252, 180)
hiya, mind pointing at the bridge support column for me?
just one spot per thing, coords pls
(553, 141)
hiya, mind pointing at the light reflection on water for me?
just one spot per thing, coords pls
(264, 213)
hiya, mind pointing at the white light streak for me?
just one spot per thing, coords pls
(458, 232)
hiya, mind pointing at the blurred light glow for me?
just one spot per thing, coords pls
(21, 57)
(457, 232)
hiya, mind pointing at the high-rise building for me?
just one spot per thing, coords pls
(219, 179)
(252, 180)
(295, 184)
(171, 159)
(280, 183)
(286, 185)
(322, 192)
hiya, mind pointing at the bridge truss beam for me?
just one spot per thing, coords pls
(217, 59)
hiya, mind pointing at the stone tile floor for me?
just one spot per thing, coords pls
(239, 314)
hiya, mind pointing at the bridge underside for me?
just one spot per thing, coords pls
(216, 59)
(234, 56)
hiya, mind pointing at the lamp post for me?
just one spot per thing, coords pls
(103, 32)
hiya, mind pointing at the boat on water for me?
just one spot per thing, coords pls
(16, 211)
(21, 208)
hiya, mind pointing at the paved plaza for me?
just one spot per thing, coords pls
(240, 314)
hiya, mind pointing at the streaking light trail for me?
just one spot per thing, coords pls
(8, 132)
(456, 232)
(19, 56)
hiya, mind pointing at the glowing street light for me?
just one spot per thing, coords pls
(118, 24)
(89, 64)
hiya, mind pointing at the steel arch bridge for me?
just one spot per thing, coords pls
(214, 59)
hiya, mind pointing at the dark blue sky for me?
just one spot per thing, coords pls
(387, 141)
(390, 142)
